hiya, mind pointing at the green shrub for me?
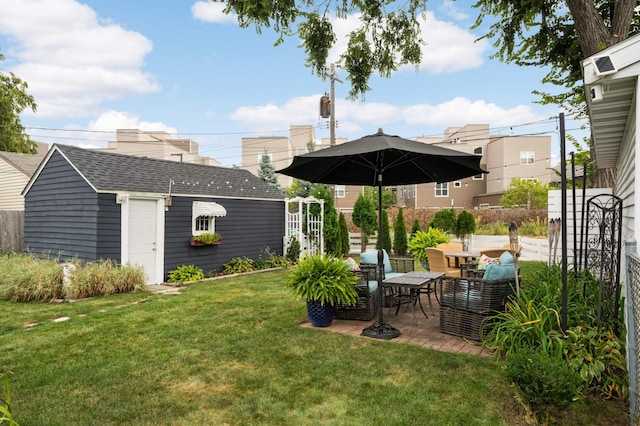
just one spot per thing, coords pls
(104, 277)
(400, 235)
(494, 228)
(186, 273)
(415, 227)
(238, 265)
(445, 220)
(599, 359)
(293, 250)
(543, 381)
(423, 239)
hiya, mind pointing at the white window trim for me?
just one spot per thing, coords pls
(457, 184)
(527, 158)
(478, 177)
(444, 190)
(340, 191)
(205, 212)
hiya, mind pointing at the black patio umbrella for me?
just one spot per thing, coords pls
(383, 160)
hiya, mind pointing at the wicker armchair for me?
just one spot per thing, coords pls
(467, 303)
(367, 304)
(393, 266)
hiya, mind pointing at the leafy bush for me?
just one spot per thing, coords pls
(293, 251)
(104, 277)
(238, 265)
(207, 238)
(424, 239)
(400, 235)
(544, 381)
(445, 220)
(599, 359)
(185, 273)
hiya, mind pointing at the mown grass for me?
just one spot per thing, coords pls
(232, 351)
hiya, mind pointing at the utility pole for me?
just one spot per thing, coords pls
(332, 104)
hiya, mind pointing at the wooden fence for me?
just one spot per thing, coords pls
(11, 231)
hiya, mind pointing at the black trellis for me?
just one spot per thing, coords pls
(602, 251)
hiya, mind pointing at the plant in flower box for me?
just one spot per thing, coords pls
(324, 282)
(206, 239)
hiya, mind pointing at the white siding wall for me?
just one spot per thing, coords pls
(625, 186)
(13, 182)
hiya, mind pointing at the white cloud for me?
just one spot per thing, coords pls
(459, 111)
(208, 11)
(353, 117)
(271, 116)
(72, 60)
(110, 121)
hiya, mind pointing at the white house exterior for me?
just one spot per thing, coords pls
(16, 170)
(611, 88)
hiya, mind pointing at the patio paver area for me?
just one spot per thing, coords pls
(426, 333)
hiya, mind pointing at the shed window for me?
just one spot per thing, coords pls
(203, 216)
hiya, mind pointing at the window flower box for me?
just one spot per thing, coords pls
(206, 239)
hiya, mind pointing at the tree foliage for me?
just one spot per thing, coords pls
(344, 234)
(557, 35)
(445, 220)
(388, 37)
(528, 193)
(400, 234)
(364, 217)
(267, 172)
(332, 242)
(13, 100)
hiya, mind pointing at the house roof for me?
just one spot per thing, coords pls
(109, 172)
(610, 94)
(25, 163)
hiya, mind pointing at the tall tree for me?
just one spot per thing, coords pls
(364, 217)
(400, 234)
(545, 33)
(13, 100)
(385, 239)
(267, 172)
(530, 194)
(344, 234)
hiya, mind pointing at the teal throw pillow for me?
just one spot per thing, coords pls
(506, 258)
(499, 272)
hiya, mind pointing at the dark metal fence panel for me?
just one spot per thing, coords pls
(633, 322)
(11, 230)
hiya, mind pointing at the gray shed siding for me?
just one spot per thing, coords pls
(63, 215)
(248, 227)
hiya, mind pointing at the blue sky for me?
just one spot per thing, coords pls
(184, 67)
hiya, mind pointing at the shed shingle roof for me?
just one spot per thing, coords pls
(109, 172)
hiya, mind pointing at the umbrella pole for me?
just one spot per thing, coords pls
(380, 329)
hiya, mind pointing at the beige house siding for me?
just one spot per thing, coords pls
(15, 171)
(158, 145)
(13, 182)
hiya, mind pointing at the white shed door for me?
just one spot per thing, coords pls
(143, 221)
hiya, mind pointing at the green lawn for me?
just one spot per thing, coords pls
(232, 352)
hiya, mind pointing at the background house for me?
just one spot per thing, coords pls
(97, 205)
(157, 144)
(15, 171)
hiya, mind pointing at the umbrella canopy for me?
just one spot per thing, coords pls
(383, 160)
(396, 160)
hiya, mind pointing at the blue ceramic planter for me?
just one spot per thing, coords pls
(320, 315)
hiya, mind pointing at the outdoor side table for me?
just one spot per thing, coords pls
(410, 284)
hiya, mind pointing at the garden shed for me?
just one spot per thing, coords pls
(97, 205)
